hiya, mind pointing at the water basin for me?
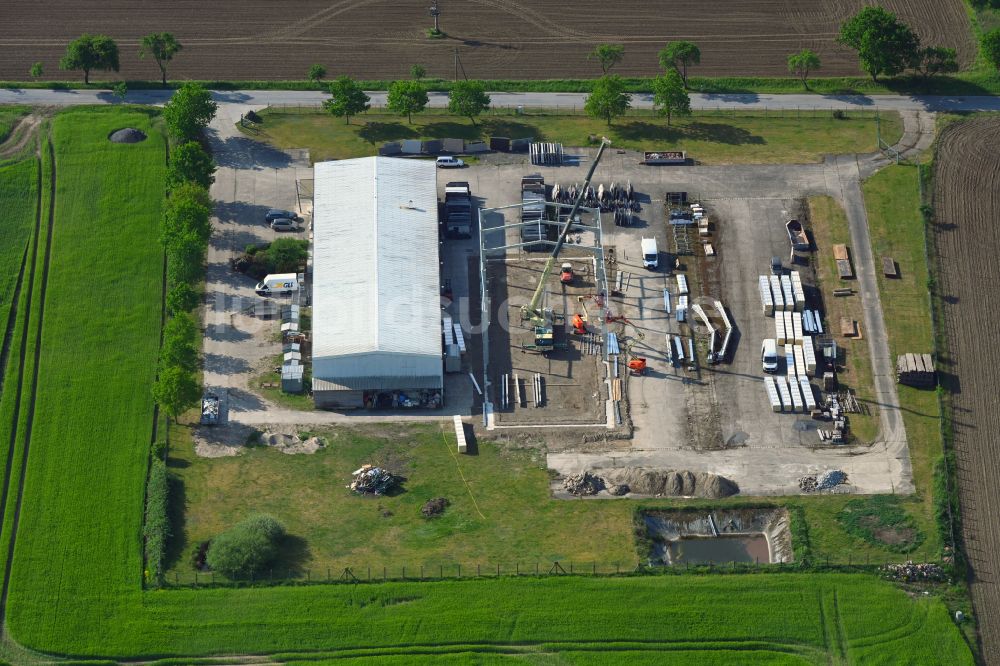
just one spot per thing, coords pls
(720, 549)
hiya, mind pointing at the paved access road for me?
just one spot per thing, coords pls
(439, 99)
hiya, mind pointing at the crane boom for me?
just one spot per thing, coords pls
(532, 310)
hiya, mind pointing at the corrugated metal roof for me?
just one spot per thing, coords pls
(375, 276)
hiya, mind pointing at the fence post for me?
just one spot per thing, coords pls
(459, 569)
(404, 573)
(498, 569)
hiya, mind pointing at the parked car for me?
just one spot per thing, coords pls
(277, 214)
(284, 224)
(449, 162)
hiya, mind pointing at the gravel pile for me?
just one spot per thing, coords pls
(825, 481)
(910, 572)
(671, 483)
(127, 135)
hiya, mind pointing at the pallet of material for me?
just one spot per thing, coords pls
(916, 370)
(889, 267)
(809, 355)
(808, 325)
(798, 293)
(771, 388)
(818, 321)
(844, 269)
(776, 295)
(779, 328)
(449, 332)
(789, 327)
(800, 362)
(807, 393)
(766, 301)
(786, 396)
(848, 327)
(682, 284)
(840, 252)
(459, 337)
(789, 359)
(786, 293)
(795, 389)
(797, 327)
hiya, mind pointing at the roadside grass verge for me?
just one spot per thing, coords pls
(9, 115)
(708, 137)
(829, 227)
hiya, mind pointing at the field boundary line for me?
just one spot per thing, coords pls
(444, 439)
(34, 382)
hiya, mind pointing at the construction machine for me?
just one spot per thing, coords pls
(566, 273)
(579, 325)
(541, 317)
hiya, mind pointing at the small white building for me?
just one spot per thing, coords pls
(376, 294)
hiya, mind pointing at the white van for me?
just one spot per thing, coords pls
(650, 255)
(769, 355)
(278, 283)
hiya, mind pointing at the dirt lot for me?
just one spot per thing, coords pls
(966, 198)
(261, 39)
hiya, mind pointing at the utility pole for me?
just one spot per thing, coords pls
(436, 13)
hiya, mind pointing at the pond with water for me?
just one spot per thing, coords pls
(718, 550)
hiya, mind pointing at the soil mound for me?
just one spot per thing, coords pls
(671, 483)
(127, 135)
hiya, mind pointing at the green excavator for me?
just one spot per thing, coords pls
(540, 317)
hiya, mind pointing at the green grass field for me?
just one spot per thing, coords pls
(708, 137)
(76, 579)
(18, 188)
(892, 197)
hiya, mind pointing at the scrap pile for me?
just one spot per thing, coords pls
(583, 484)
(835, 411)
(371, 480)
(909, 572)
(825, 481)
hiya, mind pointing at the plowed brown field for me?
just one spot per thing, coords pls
(967, 235)
(527, 39)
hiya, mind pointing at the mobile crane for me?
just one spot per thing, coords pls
(541, 317)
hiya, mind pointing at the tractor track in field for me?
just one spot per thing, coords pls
(12, 317)
(34, 377)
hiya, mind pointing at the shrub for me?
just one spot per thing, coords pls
(182, 297)
(189, 163)
(156, 530)
(247, 548)
(284, 255)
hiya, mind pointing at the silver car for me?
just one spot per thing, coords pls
(284, 224)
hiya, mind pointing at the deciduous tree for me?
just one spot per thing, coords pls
(176, 390)
(933, 60)
(90, 52)
(802, 63)
(346, 99)
(190, 163)
(189, 111)
(990, 45)
(317, 73)
(608, 55)
(884, 44)
(163, 47)
(406, 98)
(182, 297)
(469, 99)
(608, 99)
(36, 70)
(187, 211)
(669, 96)
(679, 56)
(417, 72)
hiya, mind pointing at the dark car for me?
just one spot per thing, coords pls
(278, 214)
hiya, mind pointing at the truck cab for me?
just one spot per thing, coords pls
(650, 254)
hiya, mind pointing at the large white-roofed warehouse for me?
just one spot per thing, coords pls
(376, 296)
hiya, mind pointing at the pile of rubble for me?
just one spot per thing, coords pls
(583, 484)
(834, 411)
(371, 480)
(909, 572)
(825, 481)
(434, 507)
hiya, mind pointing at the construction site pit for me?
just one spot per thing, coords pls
(690, 536)
(570, 387)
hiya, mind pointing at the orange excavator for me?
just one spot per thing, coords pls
(579, 325)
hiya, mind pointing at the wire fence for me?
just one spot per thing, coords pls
(456, 571)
